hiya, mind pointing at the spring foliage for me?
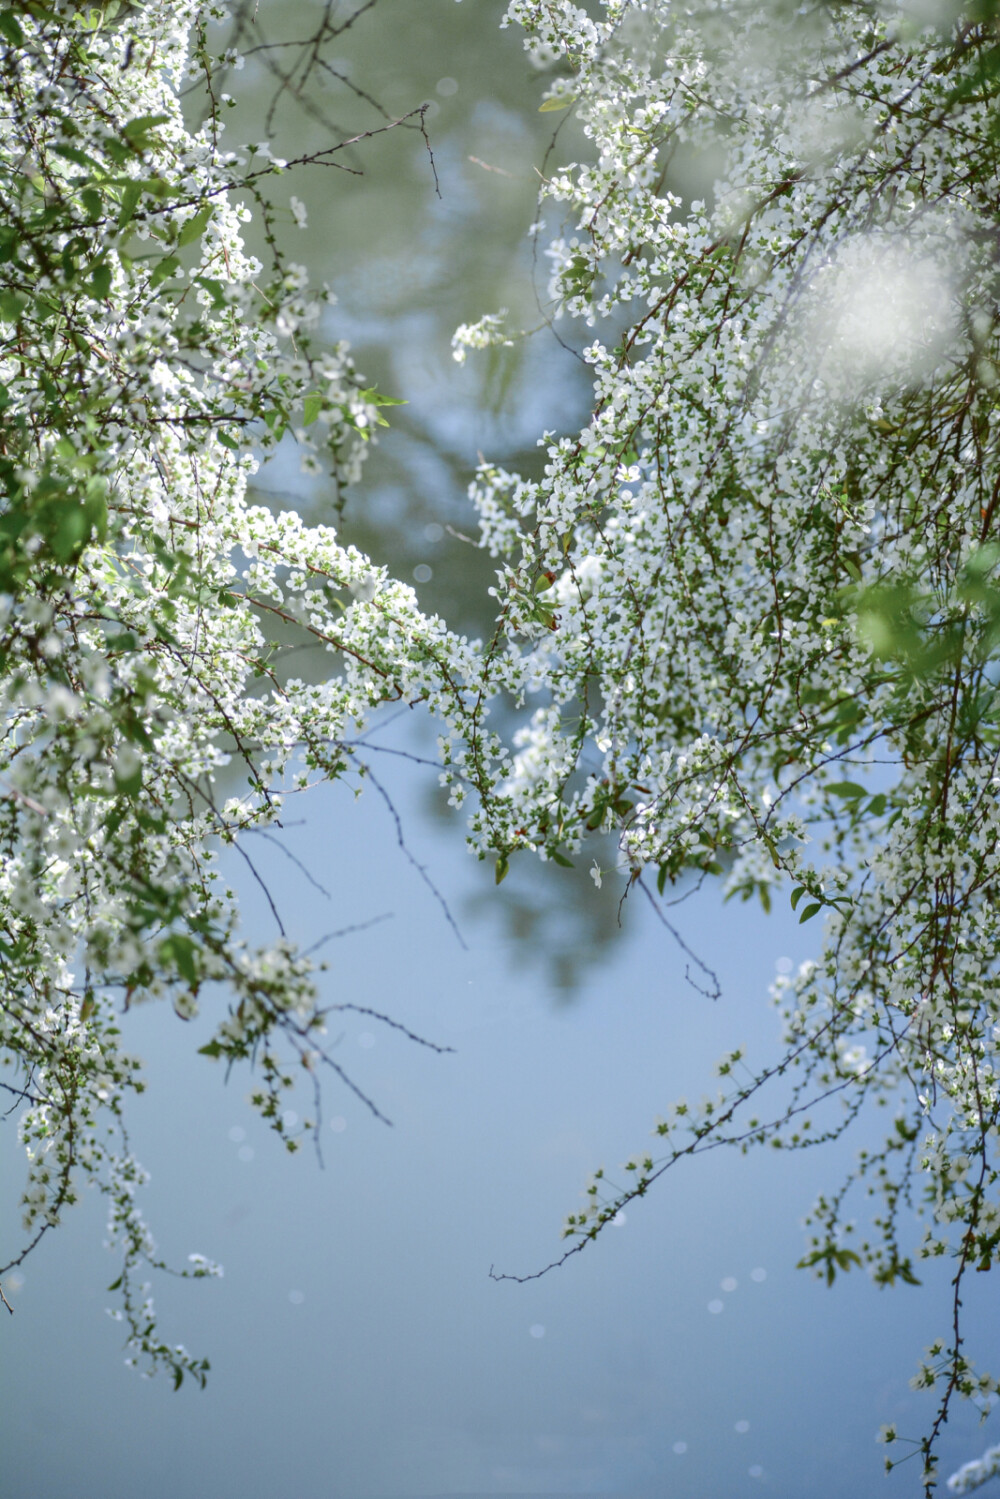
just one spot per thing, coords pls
(747, 615)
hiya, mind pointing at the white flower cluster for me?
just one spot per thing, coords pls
(756, 594)
(145, 357)
(974, 1474)
(488, 333)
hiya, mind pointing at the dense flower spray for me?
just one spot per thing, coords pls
(748, 615)
(146, 360)
(751, 606)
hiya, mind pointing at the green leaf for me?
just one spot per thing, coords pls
(133, 130)
(182, 951)
(562, 101)
(131, 193)
(544, 615)
(502, 866)
(196, 226)
(797, 895)
(92, 202)
(10, 27)
(100, 281)
(168, 266)
(129, 785)
(849, 790)
(215, 290)
(114, 819)
(12, 304)
(75, 155)
(116, 1284)
(212, 1049)
(378, 399)
(311, 408)
(810, 911)
(833, 1258)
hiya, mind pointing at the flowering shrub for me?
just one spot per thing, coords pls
(144, 355)
(754, 598)
(748, 615)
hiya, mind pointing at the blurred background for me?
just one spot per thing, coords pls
(358, 1344)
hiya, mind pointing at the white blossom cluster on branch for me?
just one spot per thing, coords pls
(751, 606)
(147, 361)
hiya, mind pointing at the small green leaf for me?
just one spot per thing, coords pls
(378, 399)
(131, 193)
(10, 27)
(196, 226)
(311, 408)
(810, 911)
(212, 1049)
(116, 1284)
(214, 288)
(129, 785)
(182, 951)
(502, 866)
(100, 281)
(561, 101)
(849, 790)
(75, 155)
(797, 895)
(92, 202)
(12, 304)
(167, 267)
(133, 130)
